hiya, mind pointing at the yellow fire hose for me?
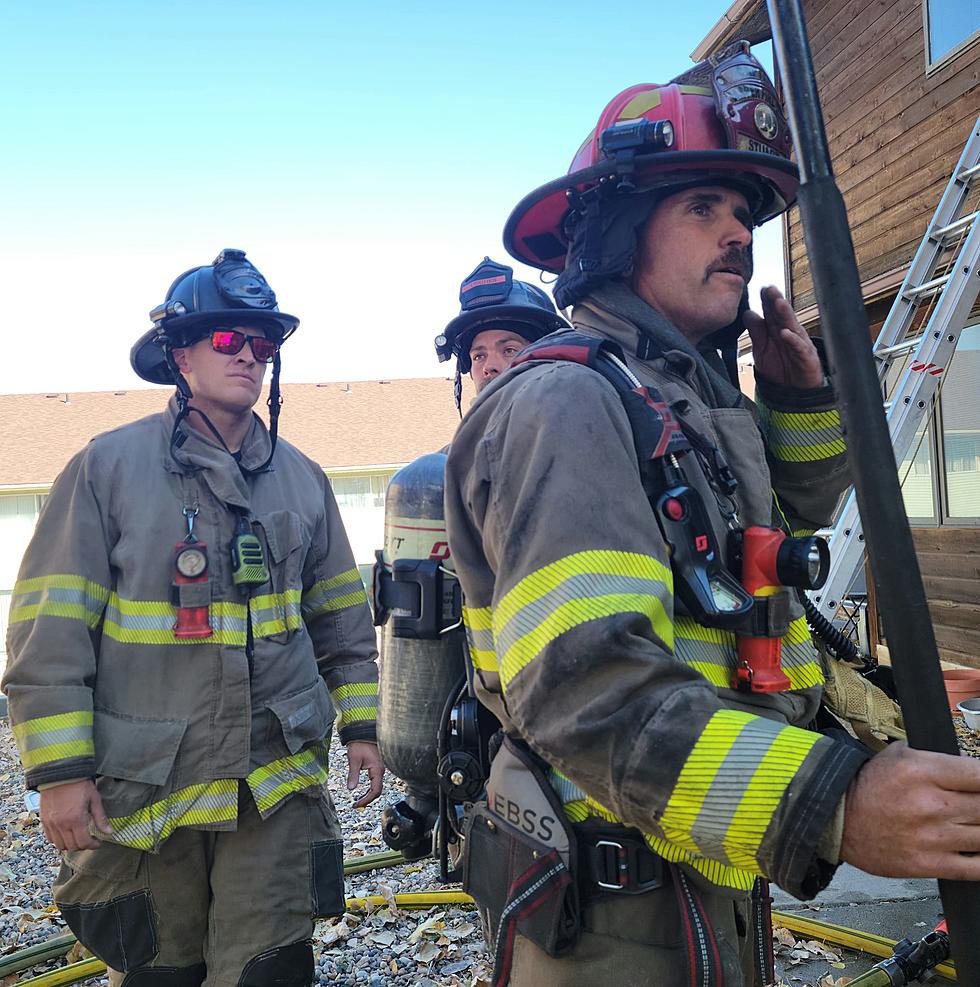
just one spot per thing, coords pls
(73, 973)
(57, 946)
(837, 935)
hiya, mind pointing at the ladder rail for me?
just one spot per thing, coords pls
(925, 370)
(933, 244)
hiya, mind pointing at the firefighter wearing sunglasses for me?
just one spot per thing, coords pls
(187, 624)
(603, 499)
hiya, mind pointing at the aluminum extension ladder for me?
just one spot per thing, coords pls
(913, 358)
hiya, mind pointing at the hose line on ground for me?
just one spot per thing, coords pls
(837, 935)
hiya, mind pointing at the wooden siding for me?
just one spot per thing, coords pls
(950, 562)
(894, 132)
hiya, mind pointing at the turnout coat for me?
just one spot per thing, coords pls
(578, 642)
(99, 685)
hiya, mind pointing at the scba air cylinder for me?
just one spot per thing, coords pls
(417, 673)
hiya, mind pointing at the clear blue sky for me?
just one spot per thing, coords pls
(365, 155)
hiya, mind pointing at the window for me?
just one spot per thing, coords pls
(941, 474)
(360, 491)
(949, 25)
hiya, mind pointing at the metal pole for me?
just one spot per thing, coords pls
(901, 597)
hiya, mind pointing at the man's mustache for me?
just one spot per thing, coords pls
(738, 260)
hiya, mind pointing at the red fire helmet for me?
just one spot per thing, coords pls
(719, 123)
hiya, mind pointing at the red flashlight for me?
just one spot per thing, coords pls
(771, 561)
(193, 605)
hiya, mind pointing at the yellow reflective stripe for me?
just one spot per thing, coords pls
(152, 622)
(58, 595)
(713, 871)
(54, 738)
(348, 576)
(803, 437)
(746, 763)
(479, 618)
(273, 782)
(354, 689)
(714, 653)
(577, 612)
(483, 661)
(275, 613)
(355, 702)
(57, 752)
(197, 805)
(342, 602)
(697, 776)
(57, 721)
(576, 589)
(269, 601)
(579, 807)
(479, 637)
(800, 660)
(763, 793)
(337, 593)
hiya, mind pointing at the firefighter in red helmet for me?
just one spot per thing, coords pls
(598, 498)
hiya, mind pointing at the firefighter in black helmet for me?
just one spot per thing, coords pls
(186, 612)
(498, 318)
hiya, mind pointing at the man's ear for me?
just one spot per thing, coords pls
(180, 358)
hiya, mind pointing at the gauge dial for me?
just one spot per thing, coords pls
(191, 562)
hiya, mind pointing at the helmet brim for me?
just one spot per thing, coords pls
(147, 357)
(528, 323)
(512, 315)
(533, 232)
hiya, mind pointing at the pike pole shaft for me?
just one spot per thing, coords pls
(901, 597)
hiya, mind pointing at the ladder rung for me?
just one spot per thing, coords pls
(968, 174)
(907, 344)
(960, 224)
(929, 288)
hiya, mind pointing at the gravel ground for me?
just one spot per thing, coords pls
(377, 946)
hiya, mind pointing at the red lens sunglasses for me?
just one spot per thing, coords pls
(230, 343)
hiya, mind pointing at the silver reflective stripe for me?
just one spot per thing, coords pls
(575, 587)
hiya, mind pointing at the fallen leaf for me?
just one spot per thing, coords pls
(427, 952)
(433, 924)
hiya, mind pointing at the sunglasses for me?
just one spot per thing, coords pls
(230, 343)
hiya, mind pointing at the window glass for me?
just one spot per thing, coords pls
(360, 491)
(961, 428)
(916, 474)
(951, 22)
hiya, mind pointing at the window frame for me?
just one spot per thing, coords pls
(940, 63)
(940, 489)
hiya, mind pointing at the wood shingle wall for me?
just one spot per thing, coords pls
(894, 131)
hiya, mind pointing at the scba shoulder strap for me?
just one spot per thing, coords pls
(702, 583)
(656, 430)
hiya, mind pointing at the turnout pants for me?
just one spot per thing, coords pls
(642, 940)
(227, 909)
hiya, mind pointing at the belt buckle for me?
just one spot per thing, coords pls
(617, 868)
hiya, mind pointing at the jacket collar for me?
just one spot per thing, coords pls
(199, 452)
(652, 342)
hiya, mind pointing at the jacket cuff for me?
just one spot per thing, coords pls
(799, 868)
(794, 398)
(364, 730)
(73, 770)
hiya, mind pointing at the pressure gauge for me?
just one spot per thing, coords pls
(191, 562)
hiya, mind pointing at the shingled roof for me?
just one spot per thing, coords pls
(340, 425)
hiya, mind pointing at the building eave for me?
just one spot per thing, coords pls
(748, 19)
